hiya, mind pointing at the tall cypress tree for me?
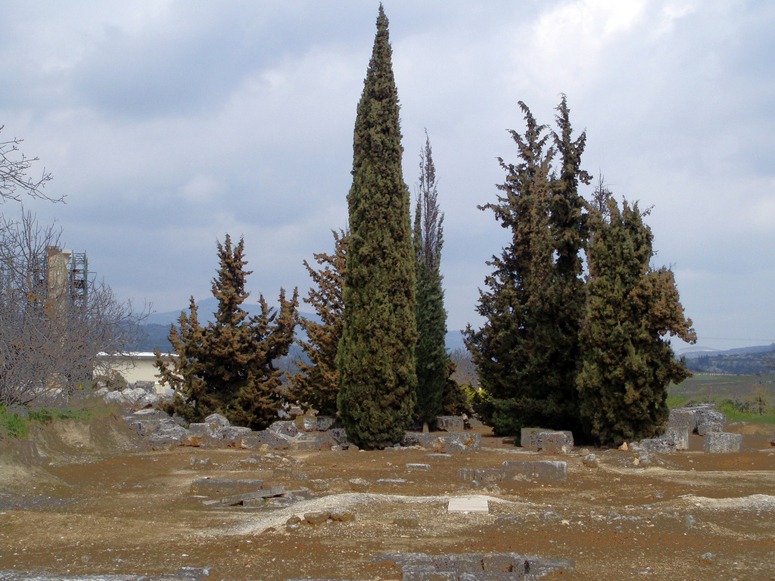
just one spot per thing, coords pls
(317, 382)
(433, 364)
(376, 354)
(627, 364)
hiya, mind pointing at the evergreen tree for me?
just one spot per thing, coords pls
(376, 354)
(433, 364)
(317, 382)
(510, 350)
(527, 352)
(627, 364)
(228, 366)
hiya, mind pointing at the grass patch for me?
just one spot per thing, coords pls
(17, 424)
(12, 425)
(742, 398)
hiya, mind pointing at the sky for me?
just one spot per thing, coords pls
(168, 124)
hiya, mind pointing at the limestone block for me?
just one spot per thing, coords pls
(450, 424)
(683, 418)
(722, 442)
(232, 435)
(201, 429)
(286, 428)
(679, 436)
(218, 421)
(540, 470)
(709, 419)
(555, 442)
(550, 441)
(657, 445)
(273, 440)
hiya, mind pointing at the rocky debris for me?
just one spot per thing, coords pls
(473, 566)
(450, 423)
(549, 441)
(590, 461)
(162, 431)
(318, 518)
(391, 481)
(448, 443)
(656, 445)
(139, 395)
(407, 522)
(722, 442)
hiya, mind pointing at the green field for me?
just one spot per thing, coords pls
(740, 397)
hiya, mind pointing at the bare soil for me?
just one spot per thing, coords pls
(94, 502)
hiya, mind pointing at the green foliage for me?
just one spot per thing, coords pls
(12, 424)
(376, 358)
(527, 351)
(317, 383)
(15, 423)
(626, 365)
(457, 398)
(433, 363)
(228, 366)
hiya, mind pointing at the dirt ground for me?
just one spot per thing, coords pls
(92, 503)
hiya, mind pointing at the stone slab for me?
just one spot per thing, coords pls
(468, 504)
(539, 470)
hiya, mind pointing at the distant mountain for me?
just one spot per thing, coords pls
(742, 361)
(156, 326)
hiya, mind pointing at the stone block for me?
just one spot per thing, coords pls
(722, 442)
(539, 470)
(468, 504)
(274, 440)
(482, 475)
(450, 424)
(222, 487)
(543, 440)
(217, 421)
(305, 445)
(418, 467)
(324, 423)
(709, 420)
(286, 428)
(683, 418)
(555, 442)
(232, 435)
(679, 436)
(657, 445)
(201, 429)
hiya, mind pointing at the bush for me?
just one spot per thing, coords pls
(12, 425)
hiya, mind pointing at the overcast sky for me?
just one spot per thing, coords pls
(168, 124)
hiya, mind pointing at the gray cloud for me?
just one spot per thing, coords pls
(168, 124)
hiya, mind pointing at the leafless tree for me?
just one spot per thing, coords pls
(49, 335)
(14, 181)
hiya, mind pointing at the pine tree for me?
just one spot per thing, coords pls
(228, 366)
(376, 354)
(433, 364)
(527, 352)
(627, 364)
(317, 382)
